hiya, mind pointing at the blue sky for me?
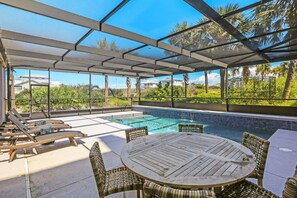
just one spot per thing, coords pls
(114, 81)
(154, 19)
(118, 81)
(75, 78)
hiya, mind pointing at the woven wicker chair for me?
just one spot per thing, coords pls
(246, 189)
(153, 190)
(132, 134)
(291, 186)
(115, 180)
(195, 128)
(260, 148)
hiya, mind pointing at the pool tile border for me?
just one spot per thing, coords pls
(248, 121)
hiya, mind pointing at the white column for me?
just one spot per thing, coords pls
(2, 95)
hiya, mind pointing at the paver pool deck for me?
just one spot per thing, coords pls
(61, 170)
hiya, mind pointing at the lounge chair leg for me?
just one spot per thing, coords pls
(73, 141)
(12, 142)
(260, 182)
(12, 154)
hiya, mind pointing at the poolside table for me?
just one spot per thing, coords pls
(188, 160)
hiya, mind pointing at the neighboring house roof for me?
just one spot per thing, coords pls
(149, 82)
(168, 79)
(34, 76)
(35, 79)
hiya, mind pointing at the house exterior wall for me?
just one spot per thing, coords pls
(149, 85)
(22, 82)
(175, 82)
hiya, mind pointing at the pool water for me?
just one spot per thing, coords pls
(163, 125)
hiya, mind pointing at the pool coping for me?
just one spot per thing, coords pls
(249, 115)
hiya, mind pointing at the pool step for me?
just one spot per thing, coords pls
(122, 115)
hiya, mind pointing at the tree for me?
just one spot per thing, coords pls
(128, 83)
(274, 16)
(290, 79)
(281, 70)
(186, 80)
(211, 34)
(246, 73)
(159, 85)
(222, 84)
(206, 81)
(263, 70)
(112, 46)
(106, 88)
(234, 71)
(167, 84)
(103, 44)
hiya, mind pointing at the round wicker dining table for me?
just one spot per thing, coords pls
(188, 160)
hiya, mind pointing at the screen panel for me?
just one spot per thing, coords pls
(33, 24)
(154, 19)
(23, 46)
(201, 37)
(94, 9)
(109, 42)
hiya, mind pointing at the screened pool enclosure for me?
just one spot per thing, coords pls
(141, 40)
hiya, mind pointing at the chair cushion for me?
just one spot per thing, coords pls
(46, 130)
(154, 190)
(121, 179)
(39, 122)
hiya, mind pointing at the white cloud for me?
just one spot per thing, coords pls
(213, 79)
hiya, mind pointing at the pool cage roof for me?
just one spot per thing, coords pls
(141, 38)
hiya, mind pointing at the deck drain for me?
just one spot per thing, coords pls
(285, 149)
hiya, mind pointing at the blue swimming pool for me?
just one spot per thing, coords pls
(160, 124)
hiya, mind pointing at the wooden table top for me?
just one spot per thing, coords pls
(188, 160)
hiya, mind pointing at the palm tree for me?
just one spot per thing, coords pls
(112, 46)
(138, 88)
(106, 88)
(128, 83)
(211, 34)
(275, 71)
(281, 70)
(246, 73)
(263, 70)
(234, 71)
(222, 83)
(284, 66)
(103, 44)
(272, 16)
(186, 80)
(290, 79)
(206, 80)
